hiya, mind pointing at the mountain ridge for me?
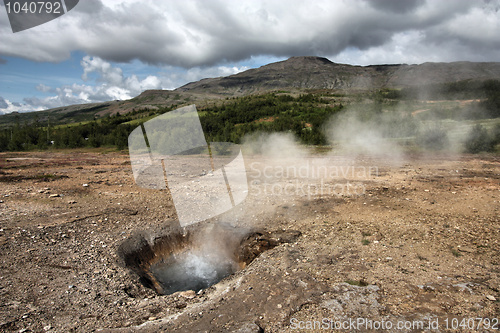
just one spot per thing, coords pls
(320, 73)
(296, 74)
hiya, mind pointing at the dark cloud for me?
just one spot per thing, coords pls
(205, 33)
(396, 6)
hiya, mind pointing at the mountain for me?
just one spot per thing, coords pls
(295, 74)
(313, 73)
(321, 73)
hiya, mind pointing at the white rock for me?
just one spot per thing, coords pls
(187, 294)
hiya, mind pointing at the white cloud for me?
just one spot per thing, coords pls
(103, 81)
(110, 84)
(7, 106)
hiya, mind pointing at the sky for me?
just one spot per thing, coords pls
(105, 50)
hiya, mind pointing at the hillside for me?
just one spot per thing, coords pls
(296, 74)
(321, 73)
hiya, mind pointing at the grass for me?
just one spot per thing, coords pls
(58, 126)
(456, 253)
(360, 283)
(365, 242)
(139, 121)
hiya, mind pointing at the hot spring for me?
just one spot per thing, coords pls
(195, 257)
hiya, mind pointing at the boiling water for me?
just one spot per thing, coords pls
(192, 271)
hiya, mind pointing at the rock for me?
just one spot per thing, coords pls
(349, 300)
(72, 202)
(250, 328)
(491, 298)
(54, 195)
(85, 185)
(180, 305)
(47, 327)
(466, 249)
(187, 294)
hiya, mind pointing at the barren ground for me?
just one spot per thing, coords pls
(421, 243)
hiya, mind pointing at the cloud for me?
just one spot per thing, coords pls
(44, 88)
(103, 81)
(207, 33)
(3, 103)
(110, 84)
(396, 6)
(7, 106)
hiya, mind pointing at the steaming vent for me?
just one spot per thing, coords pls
(195, 257)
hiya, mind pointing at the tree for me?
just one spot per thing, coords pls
(433, 138)
(478, 140)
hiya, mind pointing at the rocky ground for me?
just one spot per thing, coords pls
(418, 244)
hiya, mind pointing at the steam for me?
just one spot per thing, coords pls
(210, 257)
(276, 146)
(194, 269)
(352, 135)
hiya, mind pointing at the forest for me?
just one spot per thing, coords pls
(304, 115)
(229, 122)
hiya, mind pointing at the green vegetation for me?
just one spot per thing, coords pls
(487, 91)
(480, 140)
(360, 283)
(434, 138)
(64, 115)
(109, 131)
(433, 117)
(303, 116)
(456, 253)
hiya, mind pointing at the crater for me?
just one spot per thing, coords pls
(196, 257)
